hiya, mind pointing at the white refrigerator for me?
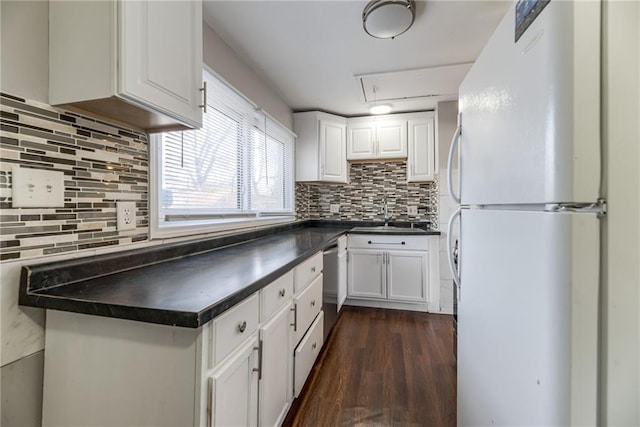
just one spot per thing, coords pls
(528, 146)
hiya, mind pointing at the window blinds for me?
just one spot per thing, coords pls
(240, 163)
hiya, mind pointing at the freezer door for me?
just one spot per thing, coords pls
(530, 111)
(527, 318)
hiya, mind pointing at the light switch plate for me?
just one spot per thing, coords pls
(412, 210)
(334, 208)
(36, 188)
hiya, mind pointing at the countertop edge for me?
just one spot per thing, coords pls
(50, 278)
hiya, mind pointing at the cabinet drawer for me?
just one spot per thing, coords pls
(376, 241)
(233, 327)
(305, 272)
(274, 295)
(308, 304)
(307, 352)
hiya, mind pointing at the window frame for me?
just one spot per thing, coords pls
(225, 223)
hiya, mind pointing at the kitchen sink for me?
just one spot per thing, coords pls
(388, 229)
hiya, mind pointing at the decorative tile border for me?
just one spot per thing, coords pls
(102, 163)
(362, 198)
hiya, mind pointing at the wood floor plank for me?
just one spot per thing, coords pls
(382, 368)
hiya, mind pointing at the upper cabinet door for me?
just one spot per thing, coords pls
(320, 147)
(361, 141)
(333, 151)
(376, 138)
(138, 62)
(421, 163)
(161, 56)
(391, 139)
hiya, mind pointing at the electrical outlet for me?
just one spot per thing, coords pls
(412, 210)
(126, 214)
(334, 208)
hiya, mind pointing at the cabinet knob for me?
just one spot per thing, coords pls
(242, 326)
(313, 347)
(282, 292)
(313, 269)
(369, 242)
(403, 243)
(313, 303)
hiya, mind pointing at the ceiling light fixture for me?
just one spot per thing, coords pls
(387, 19)
(380, 109)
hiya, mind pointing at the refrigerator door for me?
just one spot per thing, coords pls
(530, 111)
(527, 318)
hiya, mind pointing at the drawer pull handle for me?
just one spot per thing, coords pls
(282, 292)
(242, 326)
(313, 347)
(313, 269)
(313, 303)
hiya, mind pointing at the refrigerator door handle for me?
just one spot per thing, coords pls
(452, 149)
(454, 272)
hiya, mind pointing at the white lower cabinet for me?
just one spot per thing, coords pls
(366, 274)
(307, 352)
(388, 275)
(277, 367)
(236, 370)
(234, 389)
(407, 276)
(395, 269)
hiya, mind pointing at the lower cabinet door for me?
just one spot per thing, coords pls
(307, 352)
(234, 389)
(366, 274)
(277, 368)
(407, 276)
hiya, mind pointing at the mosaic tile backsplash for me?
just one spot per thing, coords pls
(102, 163)
(362, 198)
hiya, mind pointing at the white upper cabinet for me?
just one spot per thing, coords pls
(138, 62)
(376, 138)
(320, 147)
(421, 163)
(361, 140)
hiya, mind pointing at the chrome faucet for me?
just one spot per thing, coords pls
(385, 210)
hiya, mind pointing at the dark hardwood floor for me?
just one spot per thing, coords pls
(382, 368)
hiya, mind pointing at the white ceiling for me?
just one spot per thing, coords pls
(310, 52)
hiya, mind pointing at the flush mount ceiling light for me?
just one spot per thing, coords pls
(380, 109)
(386, 19)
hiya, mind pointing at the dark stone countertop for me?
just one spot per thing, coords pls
(184, 284)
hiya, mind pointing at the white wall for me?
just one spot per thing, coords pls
(620, 381)
(447, 120)
(219, 56)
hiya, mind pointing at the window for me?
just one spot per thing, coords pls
(237, 170)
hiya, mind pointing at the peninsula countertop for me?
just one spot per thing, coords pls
(184, 284)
